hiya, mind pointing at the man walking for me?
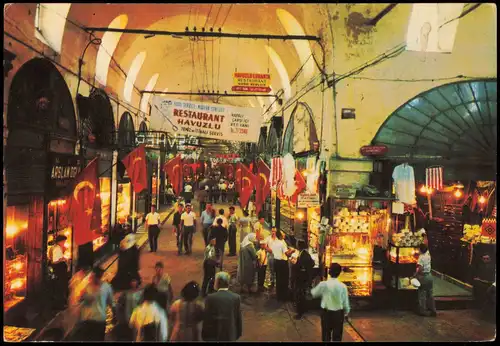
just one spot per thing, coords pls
(203, 197)
(221, 216)
(233, 220)
(219, 232)
(302, 274)
(335, 305)
(426, 304)
(177, 228)
(153, 227)
(188, 226)
(207, 219)
(222, 320)
(209, 264)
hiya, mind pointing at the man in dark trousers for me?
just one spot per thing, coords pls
(302, 274)
(233, 221)
(209, 265)
(153, 226)
(334, 303)
(222, 317)
(220, 234)
(177, 228)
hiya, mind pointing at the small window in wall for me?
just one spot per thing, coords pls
(145, 97)
(50, 22)
(107, 48)
(293, 27)
(278, 63)
(132, 75)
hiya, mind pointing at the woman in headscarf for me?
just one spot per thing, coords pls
(128, 264)
(247, 261)
(127, 302)
(186, 314)
(245, 225)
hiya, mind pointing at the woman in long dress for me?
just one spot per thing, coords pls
(245, 225)
(247, 262)
(128, 264)
(186, 314)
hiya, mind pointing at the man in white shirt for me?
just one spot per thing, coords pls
(60, 269)
(335, 305)
(426, 304)
(149, 320)
(221, 216)
(188, 225)
(153, 227)
(280, 252)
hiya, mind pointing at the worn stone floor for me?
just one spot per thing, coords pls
(264, 319)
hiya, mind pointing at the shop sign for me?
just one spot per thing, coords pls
(374, 150)
(63, 169)
(223, 122)
(151, 139)
(154, 187)
(251, 82)
(308, 200)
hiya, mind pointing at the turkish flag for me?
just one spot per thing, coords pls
(238, 177)
(135, 164)
(300, 185)
(263, 185)
(246, 185)
(85, 206)
(174, 172)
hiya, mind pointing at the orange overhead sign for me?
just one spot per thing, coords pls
(251, 82)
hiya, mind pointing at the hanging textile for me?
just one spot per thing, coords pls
(276, 171)
(289, 175)
(434, 177)
(404, 183)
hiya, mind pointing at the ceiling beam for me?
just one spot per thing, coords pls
(206, 94)
(379, 16)
(203, 34)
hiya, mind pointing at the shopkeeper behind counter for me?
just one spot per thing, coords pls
(60, 269)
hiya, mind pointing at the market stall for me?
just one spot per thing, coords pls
(358, 225)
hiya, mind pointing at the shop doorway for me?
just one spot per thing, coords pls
(41, 121)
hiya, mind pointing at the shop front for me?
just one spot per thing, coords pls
(39, 157)
(98, 129)
(445, 135)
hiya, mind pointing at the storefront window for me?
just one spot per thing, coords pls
(58, 212)
(15, 256)
(105, 195)
(123, 203)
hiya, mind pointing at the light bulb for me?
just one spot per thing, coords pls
(458, 193)
(423, 189)
(482, 199)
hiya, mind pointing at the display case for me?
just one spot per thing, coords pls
(357, 226)
(313, 231)
(402, 265)
(58, 212)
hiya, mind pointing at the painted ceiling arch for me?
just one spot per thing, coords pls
(455, 121)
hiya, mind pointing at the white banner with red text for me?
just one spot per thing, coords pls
(207, 120)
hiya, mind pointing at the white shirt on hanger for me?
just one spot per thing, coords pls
(404, 181)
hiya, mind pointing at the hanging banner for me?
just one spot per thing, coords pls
(251, 82)
(181, 117)
(308, 200)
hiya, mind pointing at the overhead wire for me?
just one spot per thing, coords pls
(216, 16)
(414, 80)
(218, 68)
(208, 16)
(227, 15)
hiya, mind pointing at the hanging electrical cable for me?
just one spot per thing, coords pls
(216, 17)
(206, 68)
(189, 17)
(212, 66)
(227, 15)
(218, 68)
(208, 16)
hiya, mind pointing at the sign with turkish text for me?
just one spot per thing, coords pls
(374, 150)
(251, 82)
(63, 169)
(208, 120)
(308, 200)
(151, 139)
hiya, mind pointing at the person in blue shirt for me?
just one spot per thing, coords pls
(207, 219)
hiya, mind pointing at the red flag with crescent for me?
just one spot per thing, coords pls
(300, 185)
(135, 164)
(173, 169)
(247, 185)
(85, 206)
(237, 180)
(263, 185)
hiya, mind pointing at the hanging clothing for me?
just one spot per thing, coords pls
(434, 178)
(404, 181)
